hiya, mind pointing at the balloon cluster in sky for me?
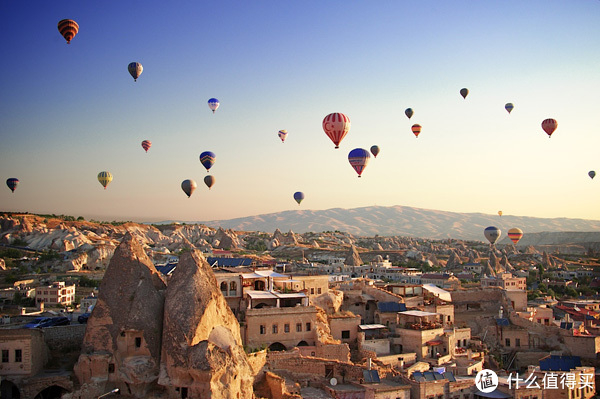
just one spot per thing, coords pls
(335, 125)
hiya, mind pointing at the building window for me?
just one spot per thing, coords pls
(367, 306)
(223, 286)
(507, 342)
(286, 328)
(18, 355)
(4, 355)
(518, 342)
(138, 342)
(449, 319)
(275, 328)
(232, 286)
(111, 368)
(298, 327)
(345, 334)
(307, 326)
(312, 291)
(318, 290)
(263, 329)
(464, 342)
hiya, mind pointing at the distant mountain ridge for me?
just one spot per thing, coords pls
(403, 221)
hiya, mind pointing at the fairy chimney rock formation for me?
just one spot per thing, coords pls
(352, 257)
(121, 346)
(201, 343)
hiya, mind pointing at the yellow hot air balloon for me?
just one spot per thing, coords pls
(499, 213)
(515, 234)
(104, 178)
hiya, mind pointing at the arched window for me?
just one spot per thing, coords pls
(232, 286)
(224, 286)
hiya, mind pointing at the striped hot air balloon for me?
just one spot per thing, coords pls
(416, 129)
(515, 234)
(146, 144)
(549, 125)
(68, 29)
(336, 126)
(213, 104)
(104, 178)
(282, 135)
(509, 107)
(207, 158)
(359, 158)
(492, 234)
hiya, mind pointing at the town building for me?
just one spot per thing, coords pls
(55, 294)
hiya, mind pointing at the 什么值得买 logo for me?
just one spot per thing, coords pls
(486, 381)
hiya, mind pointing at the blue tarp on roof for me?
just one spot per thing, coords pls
(418, 376)
(503, 322)
(228, 262)
(560, 363)
(566, 325)
(167, 269)
(391, 307)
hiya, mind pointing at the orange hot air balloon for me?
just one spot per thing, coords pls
(515, 234)
(336, 126)
(416, 129)
(68, 29)
(549, 125)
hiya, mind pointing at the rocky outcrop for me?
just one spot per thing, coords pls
(122, 342)
(352, 257)
(225, 239)
(203, 350)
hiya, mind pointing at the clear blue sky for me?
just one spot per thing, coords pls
(68, 112)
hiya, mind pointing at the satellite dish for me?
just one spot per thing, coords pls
(333, 381)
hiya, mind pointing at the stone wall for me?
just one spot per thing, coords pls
(64, 337)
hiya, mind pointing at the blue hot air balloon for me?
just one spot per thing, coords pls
(213, 104)
(12, 183)
(298, 196)
(492, 234)
(207, 159)
(359, 158)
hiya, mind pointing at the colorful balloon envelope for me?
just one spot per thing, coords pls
(499, 213)
(12, 183)
(359, 158)
(492, 234)
(416, 129)
(213, 104)
(188, 186)
(282, 135)
(515, 234)
(146, 144)
(68, 29)
(409, 112)
(591, 174)
(104, 178)
(509, 107)
(464, 92)
(209, 181)
(549, 125)
(207, 159)
(298, 196)
(135, 70)
(375, 150)
(336, 126)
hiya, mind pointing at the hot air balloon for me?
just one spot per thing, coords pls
(336, 126)
(68, 29)
(213, 104)
(499, 213)
(359, 158)
(464, 92)
(592, 174)
(416, 129)
(549, 125)
(188, 186)
(282, 135)
(492, 233)
(146, 144)
(298, 196)
(207, 159)
(509, 107)
(375, 150)
(135, 70)
(515, 234)
(209, 181)
(409, 112)
(12, 183)
(104, 178)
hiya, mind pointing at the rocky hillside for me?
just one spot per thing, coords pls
(402, 221)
